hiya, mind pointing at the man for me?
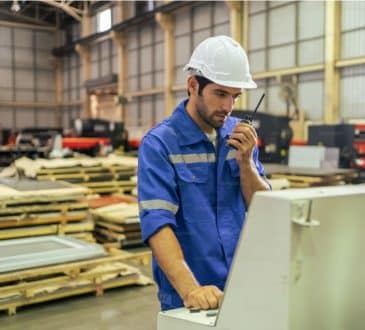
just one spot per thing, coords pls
(197, 173)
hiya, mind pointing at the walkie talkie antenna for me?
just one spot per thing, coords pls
(258, 104)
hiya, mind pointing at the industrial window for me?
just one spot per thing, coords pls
(104, 20)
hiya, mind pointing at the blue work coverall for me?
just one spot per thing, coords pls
(188, 184)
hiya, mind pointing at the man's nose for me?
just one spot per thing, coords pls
(228, 103)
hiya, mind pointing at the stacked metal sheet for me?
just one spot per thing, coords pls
(37, 208)
(118, 223)
(102, 175)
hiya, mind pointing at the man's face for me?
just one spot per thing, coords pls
(215, 104)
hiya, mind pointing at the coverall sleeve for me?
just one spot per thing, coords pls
(157, 195)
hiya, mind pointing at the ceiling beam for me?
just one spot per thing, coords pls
(24, 18)
(72, 11)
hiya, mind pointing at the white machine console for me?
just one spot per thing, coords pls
(299, 265)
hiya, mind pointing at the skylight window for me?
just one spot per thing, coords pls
(104, 20)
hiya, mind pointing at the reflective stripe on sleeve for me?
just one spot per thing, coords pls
(158, 204)
(192, 158)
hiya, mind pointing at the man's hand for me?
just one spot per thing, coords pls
(244, 139)
(204, 297)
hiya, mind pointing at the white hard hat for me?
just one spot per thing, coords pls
(223, 61)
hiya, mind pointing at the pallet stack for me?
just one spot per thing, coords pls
(49, 282)
(32, 208)
(108, 175)
(118, 223)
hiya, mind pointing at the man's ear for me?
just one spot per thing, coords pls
(193, 85)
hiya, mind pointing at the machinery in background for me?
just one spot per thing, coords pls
(349, 138)
(274, 134)
(93, 134)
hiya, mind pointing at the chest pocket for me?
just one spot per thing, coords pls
(192, 173)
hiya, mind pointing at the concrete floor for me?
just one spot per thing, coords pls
(126, 308)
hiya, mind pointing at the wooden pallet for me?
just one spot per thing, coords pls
(41, 284)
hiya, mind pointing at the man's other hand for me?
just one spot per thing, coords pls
(204, 297)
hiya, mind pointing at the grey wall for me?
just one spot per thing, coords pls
(27, 75)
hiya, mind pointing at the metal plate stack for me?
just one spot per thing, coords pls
(37, 208)
(118, 223)
(101, 175)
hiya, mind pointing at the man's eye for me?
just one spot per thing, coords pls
(220, 94)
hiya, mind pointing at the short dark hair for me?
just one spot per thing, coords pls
(202, 83)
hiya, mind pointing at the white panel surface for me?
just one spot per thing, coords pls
(353, 14)
(311, 52)
(257, 31)
(132, 40)
(94, 54)
(282, 25)
(24, 79)
(182, 22)
(131, 114)
(6, 80)
(6, 117)
(23, 57)
(132, 84)
(282, 57)
(159, 79)
(183, 51)
(45, 40)
(5, 33)
(353, 44)
(24, 118)
(23, 38)
(146, 59)
(159, 34)
(311, 19)
(202, 17)
(5, 56)
(257, 61)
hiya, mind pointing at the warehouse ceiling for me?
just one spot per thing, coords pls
(46, 12)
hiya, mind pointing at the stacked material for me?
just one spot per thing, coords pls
(118, 223)
(36, 208)
(309, 177)
(101, 175)
(50, 267)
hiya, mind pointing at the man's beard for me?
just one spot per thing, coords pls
(203, 114)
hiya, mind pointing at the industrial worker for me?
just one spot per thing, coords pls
(197, 173)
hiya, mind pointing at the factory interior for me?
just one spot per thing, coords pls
(83, 82)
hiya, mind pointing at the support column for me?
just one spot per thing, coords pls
(120, 41)
(167, 25)
(59, 90)
(331, 74)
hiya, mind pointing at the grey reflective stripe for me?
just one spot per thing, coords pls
(158, 204)
(231, 154)
(192, 158)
